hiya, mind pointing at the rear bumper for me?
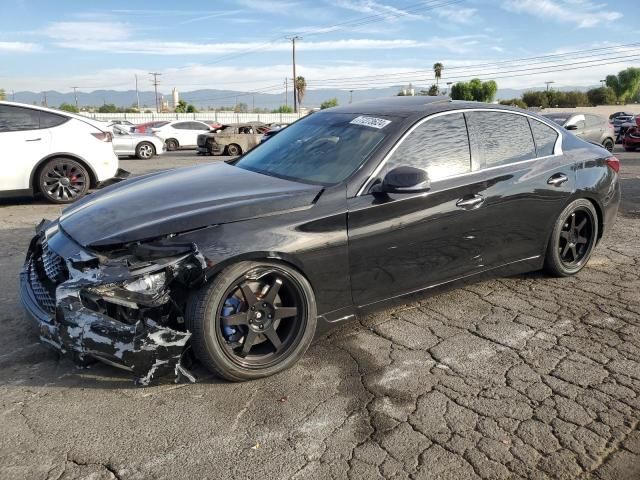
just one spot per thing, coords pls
(119, 176)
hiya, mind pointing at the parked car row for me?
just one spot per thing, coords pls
(587, 126)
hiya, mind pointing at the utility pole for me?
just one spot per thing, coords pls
(137, 95)
(603, 82)
(350, 96)
(286, 92)
(13, 95)
(549, 83)
(253, 103)
(75, 95)
(155, 86)
(295, 93)
(44, 102)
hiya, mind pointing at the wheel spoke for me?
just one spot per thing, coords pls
(563, 254)
(581, 225)
(564, 235)
(249, 296)
(573, 221)
(273, 291)
(236, 319)
(285, 312)
(273, 337)
(582, 240)
(574, 253)
(249, 340)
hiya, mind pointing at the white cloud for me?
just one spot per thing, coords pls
(18, 47)
(457, 15)
(372, 7)
(87, 31)
(582, 13)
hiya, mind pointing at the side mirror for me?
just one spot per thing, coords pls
(571, 127)
(405, 180)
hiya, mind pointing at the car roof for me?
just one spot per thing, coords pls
(421, 105)
(95, 123)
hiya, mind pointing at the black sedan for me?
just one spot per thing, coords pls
(241, 264)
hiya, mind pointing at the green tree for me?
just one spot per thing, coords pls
(433, 90)
(535, 99)
(474, 90)
(301, 88)
(514, 102)
(241, 108)
(602, 96)
(283, 109)
(191, 109)
(67, 107)
(332, 102)
(108, 108)
(181, 107)
(626, 84)
(3, 95)
(437, 71)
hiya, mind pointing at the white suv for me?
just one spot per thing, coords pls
(181, 133)
(58, 154)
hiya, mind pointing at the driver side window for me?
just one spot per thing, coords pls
(440, 146)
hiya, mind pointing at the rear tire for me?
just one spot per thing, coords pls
(573, 239)
(253, 320)
(145, 150)
(172, 144)
(608, 144)
(62, 180)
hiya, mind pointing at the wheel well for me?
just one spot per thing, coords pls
(93, 180)
(600, 217)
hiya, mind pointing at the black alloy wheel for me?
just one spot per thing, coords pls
(172, 144)
(253, 320)
(608, 144)
(574, 236)
(63, 180)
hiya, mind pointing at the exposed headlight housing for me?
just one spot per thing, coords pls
(150, 283)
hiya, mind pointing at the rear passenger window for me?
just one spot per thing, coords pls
(15, 119)
(544, 136)
(440, 146)
(50, 120)
(502, 138)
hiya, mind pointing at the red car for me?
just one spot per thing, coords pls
(631, 140)
(146, 127)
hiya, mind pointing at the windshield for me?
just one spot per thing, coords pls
(559, 119)
(323, 148)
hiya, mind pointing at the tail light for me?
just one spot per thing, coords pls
(613, 163)
(103, 136)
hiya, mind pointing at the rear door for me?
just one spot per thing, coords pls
(580, 123)
(191, 133)
(594, 128)
(528, 182)
(23, 144)
(182, 133)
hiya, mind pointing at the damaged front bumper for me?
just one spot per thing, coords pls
(83, 309)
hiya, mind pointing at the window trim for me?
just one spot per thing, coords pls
(557, 149)
(40, 112)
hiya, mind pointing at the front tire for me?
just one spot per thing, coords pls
(253, 320)
(608, 144)
(234, 150)
(145, 150)
(62, 180)
(573, 239)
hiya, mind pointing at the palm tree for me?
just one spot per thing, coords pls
(437, 70)
(301, 87)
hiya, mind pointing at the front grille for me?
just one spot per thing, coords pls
(53, 264)
(202, 140)
(43, 296)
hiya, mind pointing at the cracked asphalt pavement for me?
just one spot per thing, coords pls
(521, 377)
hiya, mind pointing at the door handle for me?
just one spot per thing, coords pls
(470, 202)
(558, 179)
(33, 139)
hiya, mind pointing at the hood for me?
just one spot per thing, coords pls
(174, 201)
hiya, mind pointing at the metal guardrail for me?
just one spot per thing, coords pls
(218, 116)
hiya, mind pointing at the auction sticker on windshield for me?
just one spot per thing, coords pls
(371, 122)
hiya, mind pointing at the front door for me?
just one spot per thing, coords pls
(399, 243)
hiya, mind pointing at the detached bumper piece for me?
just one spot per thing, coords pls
(120, 175)
(58, 296)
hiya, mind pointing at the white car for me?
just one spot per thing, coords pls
(181, 133)
(57, 154)
(142, 145)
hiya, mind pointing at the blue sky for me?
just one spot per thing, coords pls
(204, 44)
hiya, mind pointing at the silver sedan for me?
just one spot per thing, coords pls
(142, 145)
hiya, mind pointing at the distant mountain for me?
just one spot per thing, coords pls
(213, 98)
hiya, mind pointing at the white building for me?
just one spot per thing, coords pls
(176, 97)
